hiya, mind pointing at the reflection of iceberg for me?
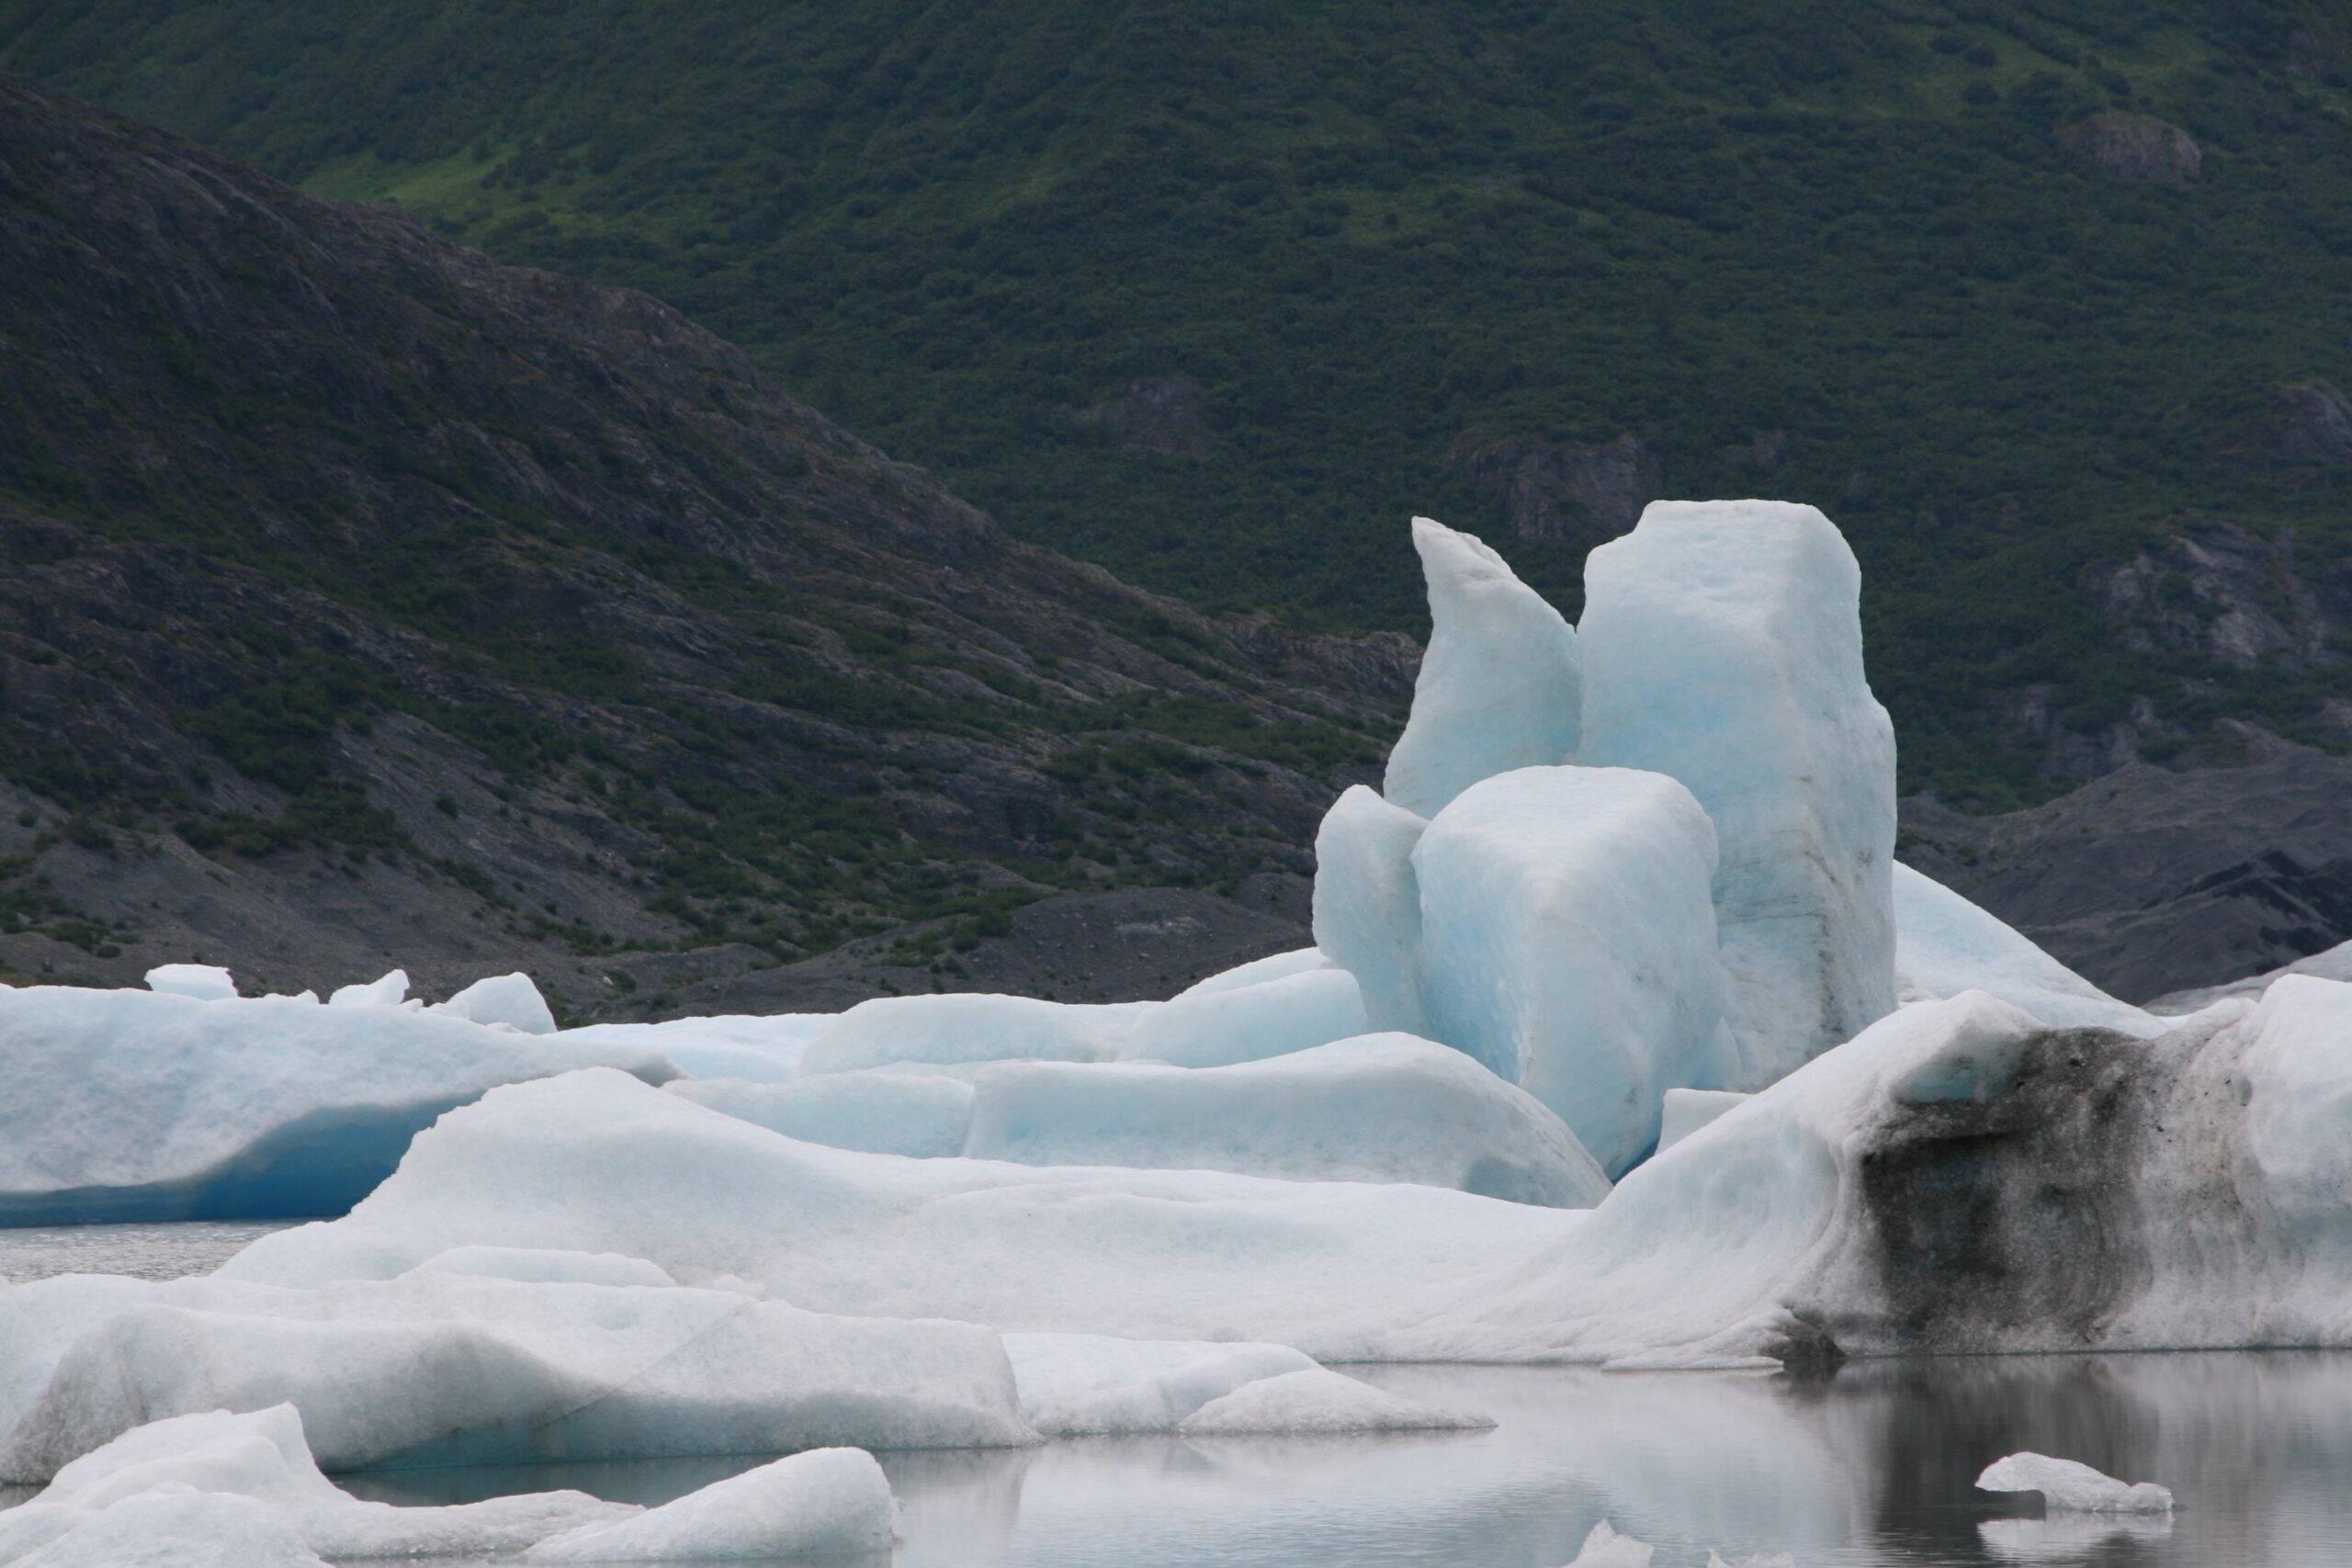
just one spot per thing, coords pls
(2066, 1537)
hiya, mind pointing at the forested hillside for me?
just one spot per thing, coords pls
(2041, 300)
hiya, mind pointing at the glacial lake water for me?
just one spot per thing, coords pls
(1870, 1467)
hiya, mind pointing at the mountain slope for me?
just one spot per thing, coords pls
(362, 599)
(2018, 290)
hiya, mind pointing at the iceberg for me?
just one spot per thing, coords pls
(760, 1050)
(179, 1527)
(1318, 1402)
(510, 1000)
(1247, 1024)
(883, 1110)
(2070, 1486)
(824, 1503)
(1091, 1384)
(388, 990)
(1499, 684)
(1944, 944)
(1569, 943)
(442, 1368)
(205, 982)
(156, 1105)
(1274, 966)
(1722, 645)
(596, 1161)
(1605, 1547)
(1368, 906)
(1377, 1108)
(973, 1026)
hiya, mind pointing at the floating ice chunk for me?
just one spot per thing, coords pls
(763, 1050)
(263, 1455)
(1316, 1401)
(884, 1111)
(1723, 645)
(1760, 1560)
(1497, 687)
(545, 1264)
(2068, 1485)
(1945, 944)
(1077, 1385)
(824, 1503)
(965, 1027)
(1688, 1109)
(1272, 967)
(144, 1105)
(1567, 941)
(205, 982)
(1377, 1108)
(502, 998)
(1605, 1547)
(1272, 1018)
(386, 991)
(1368, 905)
(440, 1369)
(179, 1527)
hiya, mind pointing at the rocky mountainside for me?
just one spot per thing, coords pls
(363, 601)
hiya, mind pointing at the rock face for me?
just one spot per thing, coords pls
(2136, 147)
(2148, 881)
(367, 602)
(1162, 415)
(2230, 595)
(1564, 490)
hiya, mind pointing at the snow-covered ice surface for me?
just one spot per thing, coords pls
(924, 1114)
(2072, 1487)
(1498, 685)
(1569, 943)
(1375, 1108)
(136, 1104)
(1945, 945)
(1722, 645)
(1368, 905)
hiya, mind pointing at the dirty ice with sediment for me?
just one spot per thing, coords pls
(1624, 1040)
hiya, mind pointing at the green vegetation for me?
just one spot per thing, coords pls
(1365, 226)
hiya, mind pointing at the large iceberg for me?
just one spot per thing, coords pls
(1568, 943)
(155, 1105)
(1368, 905)
(1377, 1108)
(1722, 645)
(1497, 687)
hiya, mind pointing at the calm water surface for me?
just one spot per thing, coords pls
(1871, 1467)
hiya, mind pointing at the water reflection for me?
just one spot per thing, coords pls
(1872, 1467)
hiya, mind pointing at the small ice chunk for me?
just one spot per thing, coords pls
(1368, 905)
(502, 998)
(1761, 1560)
(973, 1026)
(1272, 1017)
(823, 1503)
(388, 991)
(206, 982)
(1688, 1109)
(1272, 967)
(1605, 1547)
(2067, 1484)
(1319, 1400)
(1499, 687)
(545, 1264)
(176, 1526)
